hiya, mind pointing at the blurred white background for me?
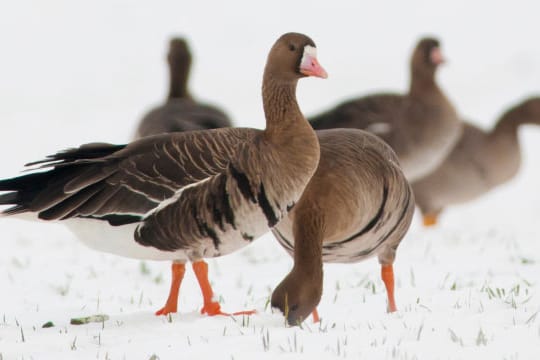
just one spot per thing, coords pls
(73, 72)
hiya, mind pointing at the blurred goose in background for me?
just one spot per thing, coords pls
(421, 126)
(480, 161)
(180, 112)
(357, 205)
(184, 196)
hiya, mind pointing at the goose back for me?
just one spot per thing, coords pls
(480, 161)
(180, 112)
(361, 196)
(421, 126)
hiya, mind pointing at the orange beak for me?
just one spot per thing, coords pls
(436, 56)
(311, 67)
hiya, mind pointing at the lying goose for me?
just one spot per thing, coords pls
(421, 126)
(357, 205)
(184, 196)
(180, 112)
(480, 161)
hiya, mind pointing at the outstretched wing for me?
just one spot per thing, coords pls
(122, 183)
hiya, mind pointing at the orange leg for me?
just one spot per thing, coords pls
(315, 315)
(387, 274)
(430, 220)
(178, 271)
(210, 307)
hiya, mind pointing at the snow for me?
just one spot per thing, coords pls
(76, 72)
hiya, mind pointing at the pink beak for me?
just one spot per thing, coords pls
(311, 67)
(436, 56)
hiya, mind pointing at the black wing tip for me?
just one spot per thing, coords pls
(113, 219)
(83, 152)
(10, 198)
(14, 210)
(48, 161)
(8, 185)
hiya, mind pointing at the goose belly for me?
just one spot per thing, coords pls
(355, 250)
(343, 247)
(425, 155)
(118, 240)
(420, 163)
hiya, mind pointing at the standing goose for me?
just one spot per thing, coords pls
(180, 112)
(421, 126)
(185, 196)
(480, 161)
(358, 204)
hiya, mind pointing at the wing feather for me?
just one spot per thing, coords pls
(96, 180)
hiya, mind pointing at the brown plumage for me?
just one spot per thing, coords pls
(480, 161)
(358, 204)
(421, 126)
(180, 111)
(185, 196)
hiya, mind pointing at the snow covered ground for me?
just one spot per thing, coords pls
(75, 72)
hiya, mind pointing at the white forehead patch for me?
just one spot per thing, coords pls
(310, 51)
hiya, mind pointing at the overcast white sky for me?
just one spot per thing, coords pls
(73, 72)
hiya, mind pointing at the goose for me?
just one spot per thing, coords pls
(180, 112)
(481, 161)
(357, 205)
(184, 196)
(421, 126)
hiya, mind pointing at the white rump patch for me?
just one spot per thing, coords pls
(379, 128)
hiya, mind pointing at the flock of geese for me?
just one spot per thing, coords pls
(336, 187)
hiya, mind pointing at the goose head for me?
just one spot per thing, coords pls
(179, 59)
(530, 111)
(427, 57)
(179, 56)
(297, 295)
(292, 57)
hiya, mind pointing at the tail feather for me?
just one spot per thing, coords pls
(84, 152)
(67, 182)
(87, 177)
(66, 207)
(14, 210)
(97, 202)
(23, 182)
(9, 198)
(46, 194)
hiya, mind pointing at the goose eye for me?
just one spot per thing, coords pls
(294, 307)
(292, 47)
